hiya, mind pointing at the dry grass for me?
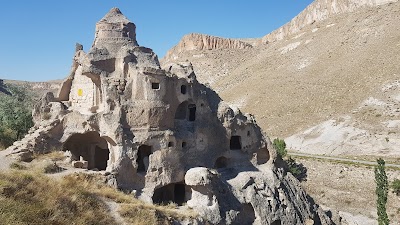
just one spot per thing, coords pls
(17, 166)
(133, 210)
(32, 198)
(53, 155)
(52, 168)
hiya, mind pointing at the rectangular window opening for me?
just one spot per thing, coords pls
(155, 86)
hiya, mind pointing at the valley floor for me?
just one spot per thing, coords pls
(348, 188)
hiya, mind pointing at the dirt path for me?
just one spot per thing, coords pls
(113, 208)
(333, 158)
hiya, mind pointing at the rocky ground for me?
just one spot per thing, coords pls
(348, 189)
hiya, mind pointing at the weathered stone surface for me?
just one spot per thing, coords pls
(317, 11)
(80, 164)
(164, 136)
(199, 42)
(24, 156)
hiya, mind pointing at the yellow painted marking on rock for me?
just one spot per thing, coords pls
(80, 92)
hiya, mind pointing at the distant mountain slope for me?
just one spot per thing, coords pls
(37, 89)
(318, 11)
(323, 72)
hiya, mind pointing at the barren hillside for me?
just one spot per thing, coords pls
(36, 88)
(326, 70)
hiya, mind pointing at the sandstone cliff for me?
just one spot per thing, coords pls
(199, 42)
(318, 11)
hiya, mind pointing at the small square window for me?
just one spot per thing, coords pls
(155, 86)
(183, 89)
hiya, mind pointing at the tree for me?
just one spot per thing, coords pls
(396, 186)
(280, 147)
(382, 188)
(298, 170)
(15, 115)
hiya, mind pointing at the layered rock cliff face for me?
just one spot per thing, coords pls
(317, 11)
(200, 42)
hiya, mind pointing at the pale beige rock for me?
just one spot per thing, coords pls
(23, 156)
(200, 42)
(80, 164)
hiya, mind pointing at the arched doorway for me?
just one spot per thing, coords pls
(186, 111)
(143, 154)
(91, 147)
(175, 192)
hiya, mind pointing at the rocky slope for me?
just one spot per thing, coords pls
(324, 72)
(200, 42)
(318, 11)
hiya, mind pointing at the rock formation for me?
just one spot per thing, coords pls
(204, 42)
(317, 11)
(164, 135)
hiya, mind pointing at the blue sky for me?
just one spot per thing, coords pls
(38, 38)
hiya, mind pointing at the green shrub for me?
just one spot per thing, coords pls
(381, 192)
(280, 147)
(297, 169)
(396, 186)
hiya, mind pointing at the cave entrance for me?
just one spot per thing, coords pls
(192, 112)
(175, 192)
(90, 147)
(101, 158)
(235, 143)
(144, 151)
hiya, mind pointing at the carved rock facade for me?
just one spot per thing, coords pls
(164, 135)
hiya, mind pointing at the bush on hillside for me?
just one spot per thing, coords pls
(15, 115)
(396, 187)
(280, 147)
(297, 169)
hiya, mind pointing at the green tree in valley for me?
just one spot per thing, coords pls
(15, 115)
(382, 188)
(296, 169)
(280, 147)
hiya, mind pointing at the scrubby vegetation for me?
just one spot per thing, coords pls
(15, 114)
(280, 147)
(17, 166)
(297, 169)
(52, 168)
(396, 187)
(382, 188)
(33, 198)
